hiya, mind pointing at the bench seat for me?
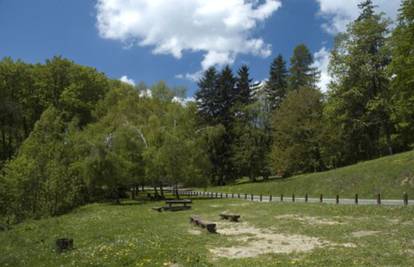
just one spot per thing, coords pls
(231, 217)
(210, 226)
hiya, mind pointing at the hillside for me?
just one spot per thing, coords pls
(391, 176)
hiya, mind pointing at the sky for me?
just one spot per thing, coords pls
(175, 40)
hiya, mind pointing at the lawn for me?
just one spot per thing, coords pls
(269, 234)
(391, 176)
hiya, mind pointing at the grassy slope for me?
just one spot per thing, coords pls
(135, 235)
(390, 176)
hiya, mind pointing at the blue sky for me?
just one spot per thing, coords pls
(109, 34)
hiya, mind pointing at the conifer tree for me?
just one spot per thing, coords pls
(302, 74)
(402, 73)
(206, 95)
(276, 87)
(359, 98)
(243, 85)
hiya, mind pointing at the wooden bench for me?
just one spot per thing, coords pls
(210, 226)
(231, 217)
(183, 205)
(183, 202)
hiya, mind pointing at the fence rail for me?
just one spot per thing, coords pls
(404, 201)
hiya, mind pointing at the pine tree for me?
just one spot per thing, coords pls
(226, 96)
(206, 95)
(243, 86)
(276, 87)
(302, 74)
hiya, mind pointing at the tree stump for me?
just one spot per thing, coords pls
(63, 244)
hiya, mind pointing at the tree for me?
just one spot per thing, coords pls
(225, 96)
(206, 96)
(402, 72)
(359, 95)
(276, 87)
(243, 82)
(297, 128)
(302, 74)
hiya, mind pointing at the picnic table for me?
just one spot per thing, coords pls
(183, 202)
(183, 205)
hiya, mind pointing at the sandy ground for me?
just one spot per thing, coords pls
(308, 219)
(252, 241)
(358, 234)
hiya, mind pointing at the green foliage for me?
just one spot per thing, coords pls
(301, 72)
(96, 139)
(276, 87)
(402, 72)
(297, 131)
(243, 94)
(358, 101)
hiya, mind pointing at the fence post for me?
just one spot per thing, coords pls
(281, 198)
(227, 196)
(321, 198)
(221, 195)
(379, 199)
(216, 195)
(356, 199)
(337, 199)
(245, 196)
(251, 197)
(238, 195)
(260, 197)
(306, 197)
(293, 197)
(270, 198)
(232, 195)
(405, 199)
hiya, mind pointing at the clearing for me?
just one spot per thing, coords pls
(268, 234)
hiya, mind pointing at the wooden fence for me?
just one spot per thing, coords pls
(378, 200)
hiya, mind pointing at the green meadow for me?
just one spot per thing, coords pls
(269, 234)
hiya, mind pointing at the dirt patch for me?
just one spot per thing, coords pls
(239, 205)
(256, 241)
(194, 232)
(364, 233)
(407, 181)
(308, 219)
(410, 252)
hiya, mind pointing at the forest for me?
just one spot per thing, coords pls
(71, 136)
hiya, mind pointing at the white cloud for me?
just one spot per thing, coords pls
(341, 12)
(322, 62)
(194, 77)
(127, 80)
(146, 93)
(183, 101)
(221, 29)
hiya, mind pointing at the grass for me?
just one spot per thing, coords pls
(391, 176)
(135, 235)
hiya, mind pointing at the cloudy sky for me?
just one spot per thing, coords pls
(174, 40)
